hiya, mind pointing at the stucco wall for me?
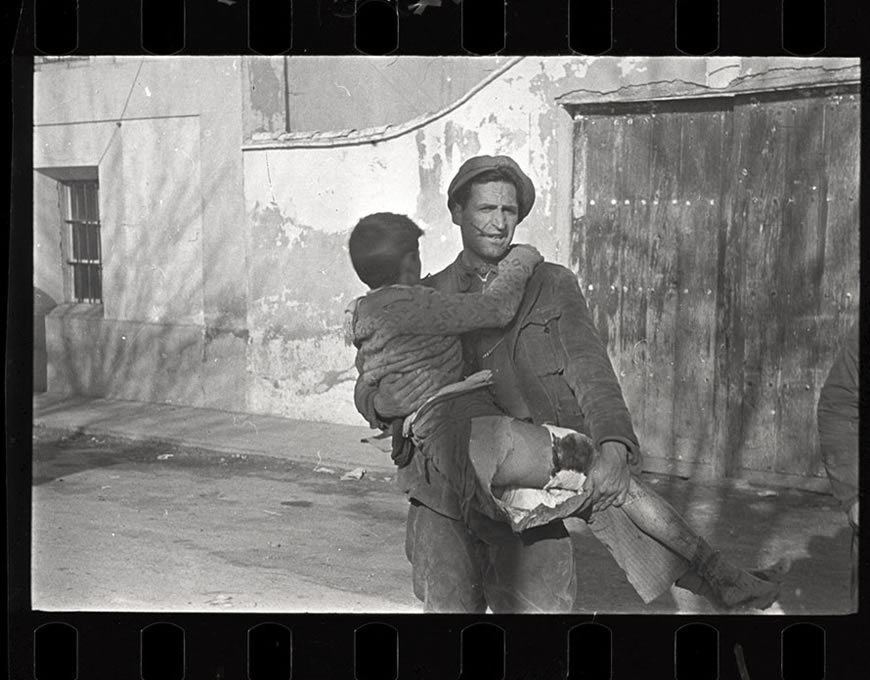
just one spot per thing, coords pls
(47, 275)
(164, 135)
(304, 94)
(99, 357)
(152, 243)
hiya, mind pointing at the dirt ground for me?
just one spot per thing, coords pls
(120, 525)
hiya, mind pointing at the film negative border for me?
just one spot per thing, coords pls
(486, 27)
(49, 645)
(173, 647)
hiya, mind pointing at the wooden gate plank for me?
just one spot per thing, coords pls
(760, 181)
(662, 289)
(787, 269)
(633, 190)
(731, 335)
(840, 283)
(700, 186)
(599, 264)
(797, 288)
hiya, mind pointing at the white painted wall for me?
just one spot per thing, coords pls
(165, 136)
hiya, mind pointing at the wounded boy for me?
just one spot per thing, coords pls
(511, 470)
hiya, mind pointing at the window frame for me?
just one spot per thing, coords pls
(82, 239)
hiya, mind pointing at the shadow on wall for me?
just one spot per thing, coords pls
(272, 340)
(43, 303)
(162, 351)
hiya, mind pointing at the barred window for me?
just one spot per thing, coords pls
(82, 226)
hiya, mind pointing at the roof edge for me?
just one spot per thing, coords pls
(782, 78)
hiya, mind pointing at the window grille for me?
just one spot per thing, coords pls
(82, 220)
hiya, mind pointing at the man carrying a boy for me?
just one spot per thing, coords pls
(549, 366)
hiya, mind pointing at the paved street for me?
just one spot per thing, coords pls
(121, 525)
(126, 525)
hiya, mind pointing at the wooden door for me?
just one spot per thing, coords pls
(716, 243)
(647, 207)
(789, 278)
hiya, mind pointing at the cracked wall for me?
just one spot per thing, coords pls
(299, 285)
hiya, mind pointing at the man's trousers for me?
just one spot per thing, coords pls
(463, 569)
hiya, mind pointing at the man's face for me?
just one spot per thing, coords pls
(488, 219)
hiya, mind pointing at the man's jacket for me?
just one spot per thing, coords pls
(838, 422)
(549, 366)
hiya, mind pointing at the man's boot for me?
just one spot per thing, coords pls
(733, 587)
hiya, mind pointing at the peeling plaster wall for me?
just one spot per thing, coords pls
(263, 95)
(301, 206)
(334, 93)
(301, 203)
(304, 94)
(299, 283)
(164, 135)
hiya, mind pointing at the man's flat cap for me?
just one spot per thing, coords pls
(474, 167)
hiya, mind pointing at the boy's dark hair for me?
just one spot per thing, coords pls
(460, 196)
(377, 245)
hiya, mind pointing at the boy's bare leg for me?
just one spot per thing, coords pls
(656, 517)
(521, 454)
(709, 573)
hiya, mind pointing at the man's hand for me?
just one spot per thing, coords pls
(853, 515)
(521, 254)
(401, 396)
(609, 476)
